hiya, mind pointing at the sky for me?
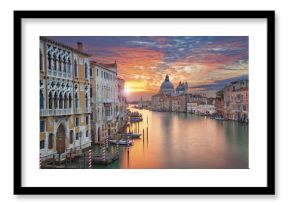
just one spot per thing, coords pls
(206, 63)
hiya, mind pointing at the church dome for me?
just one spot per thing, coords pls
(167, 87)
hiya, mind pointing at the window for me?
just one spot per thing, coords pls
(41, 98)
(71, 137)
(97, 72)
(87, 133)
(91, 72)
(42, 144)
(64, 64)
(77, 121)
(76, 68)
(50, 141)
(50, 100)
(86, 71)
(77, 136)
(49, 60)
(87, 101)
(92, 116)
(40, 60)
(54, 61)
(59, 63)
(87, 120)
(69, 101)
(76, 101)
(91, 92)
(42, 126)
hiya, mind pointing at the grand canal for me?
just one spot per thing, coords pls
(183, 141)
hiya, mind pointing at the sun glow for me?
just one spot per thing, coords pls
(128, 90)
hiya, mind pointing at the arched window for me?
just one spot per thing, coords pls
(41, 99)
(68, 66)
(69, 101)
(54, 61)
(55, 101)
(50, 100)
(59, 63)
(71, 137)
(64, 64)
(76, 68)
(60, 103)
(50, 141)
(87, 101)
(76, 101)
(40, 60)
(49, 60)
(86, 71)
(65, 101)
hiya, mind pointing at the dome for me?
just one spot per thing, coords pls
(167, 87)
(182, 87)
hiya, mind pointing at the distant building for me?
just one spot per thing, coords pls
(166, 87)
(182, 88)
(236, 101)
(201, 105)
(219, 106)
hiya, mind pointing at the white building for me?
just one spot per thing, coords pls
(104, 100)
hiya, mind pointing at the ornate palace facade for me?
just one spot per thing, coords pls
(64, 98)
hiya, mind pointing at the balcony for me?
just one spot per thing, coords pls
(48, 112)
(109, 118)
(88, 109)
(77, 111)
(59, 74)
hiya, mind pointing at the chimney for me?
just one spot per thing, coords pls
(80, 46)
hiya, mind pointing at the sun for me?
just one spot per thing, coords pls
(127, 90)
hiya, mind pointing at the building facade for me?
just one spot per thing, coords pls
(64, 98)
(236, 101)
(105, 102)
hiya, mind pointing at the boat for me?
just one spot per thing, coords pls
(135, 135)
(219, 118)
(121, 142)
(135, 117)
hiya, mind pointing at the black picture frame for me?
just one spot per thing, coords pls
(268, 190)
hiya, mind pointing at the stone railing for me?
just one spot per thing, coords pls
(59, 74)
(48, 112)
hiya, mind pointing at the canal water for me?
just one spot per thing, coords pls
(184, 141)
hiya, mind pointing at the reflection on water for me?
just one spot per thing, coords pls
(184, 141)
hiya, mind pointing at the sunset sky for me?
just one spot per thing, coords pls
(207, 63)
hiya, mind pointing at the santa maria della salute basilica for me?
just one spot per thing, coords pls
(169, 99)
(167, 87)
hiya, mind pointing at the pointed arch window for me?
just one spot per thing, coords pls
(76, 101)
(49, 60)
(65, 101)
(55, 101)
(76, 68)
(59, 63)
(69, 101)
(86, 71)
(50, 100)
(87, 101)
(54, 61)
(60, 103)
(40, 60)
(64, 64)
(68, 66)
(41, 99)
